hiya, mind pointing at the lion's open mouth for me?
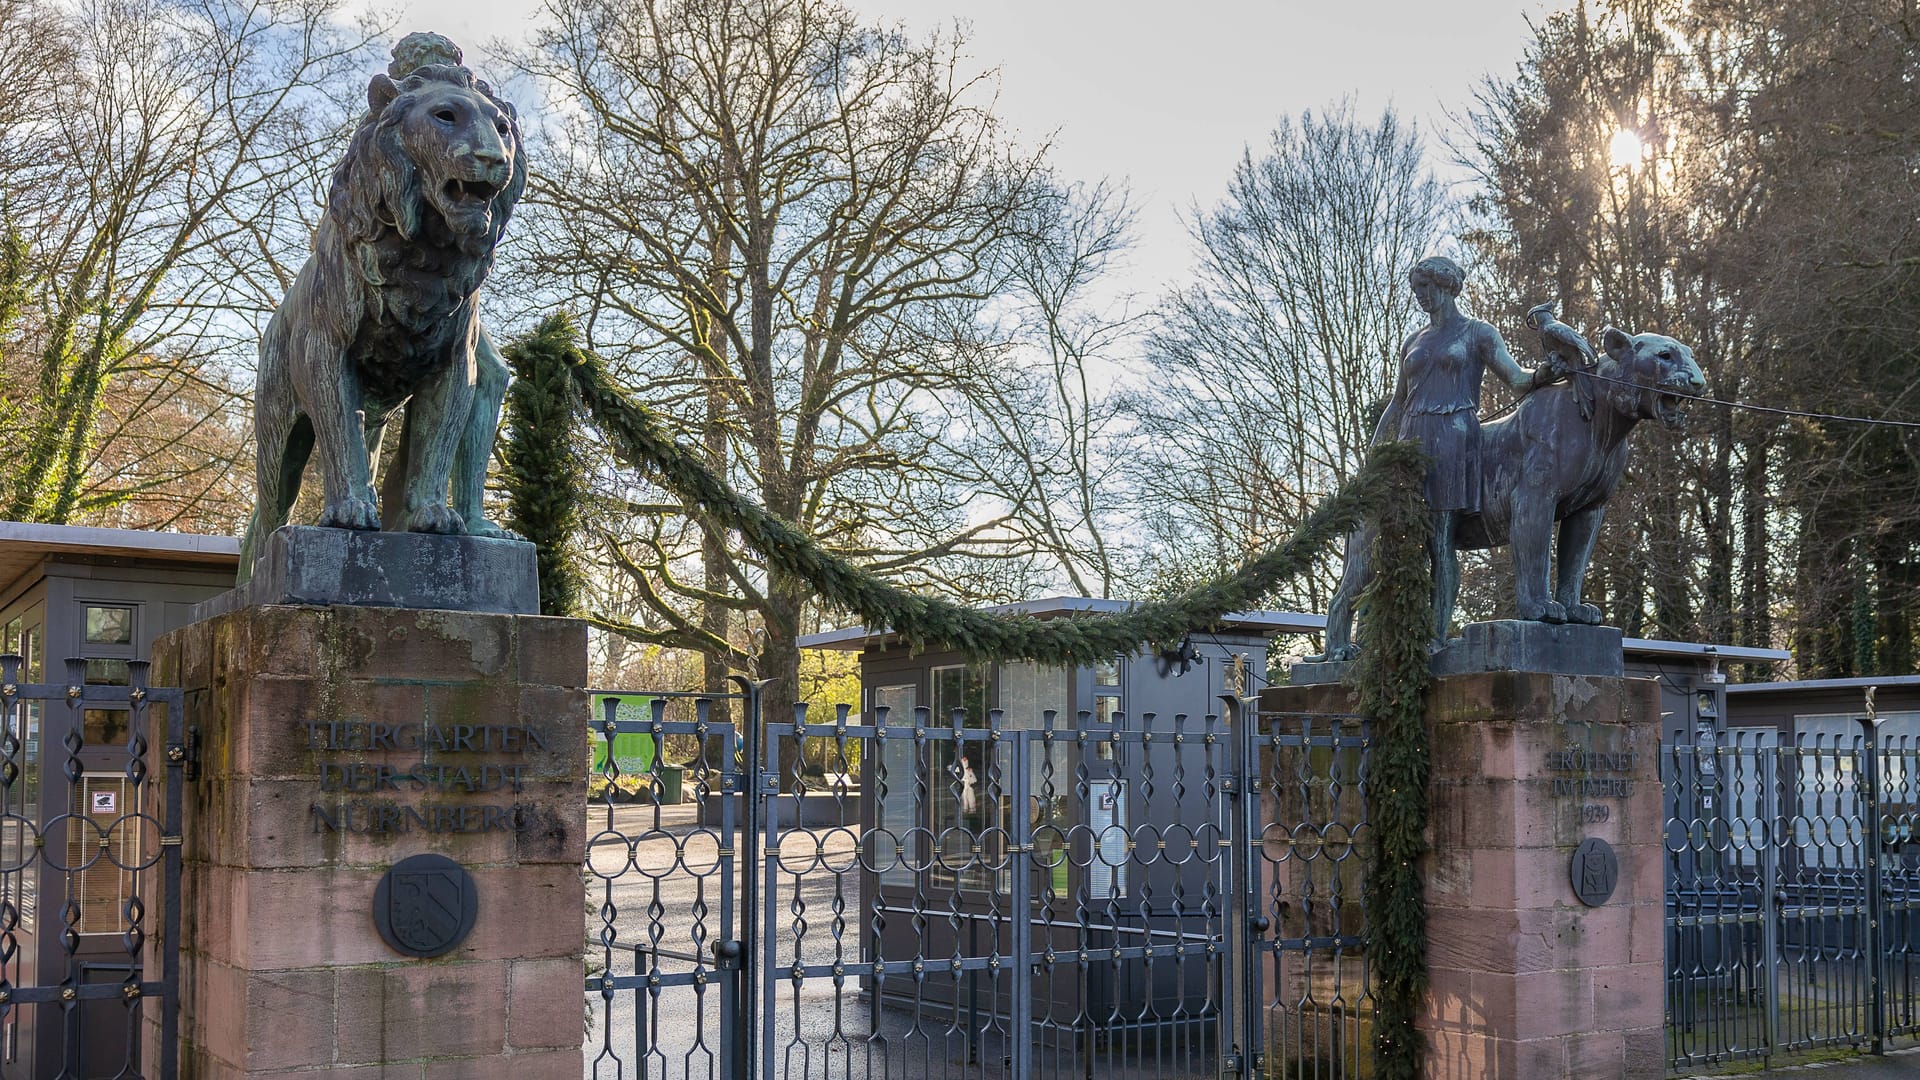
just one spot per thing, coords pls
(1673, 408)
(470, 191)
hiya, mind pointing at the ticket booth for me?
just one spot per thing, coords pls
(100, 596)
(957, 790)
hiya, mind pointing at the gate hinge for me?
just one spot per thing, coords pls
(1230, 1063)
(186, 754)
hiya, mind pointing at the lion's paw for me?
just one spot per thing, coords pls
(480, 526)
(351, 513)
(1550, 611)
(1337, 655)
(1586, 614)
(435, 518)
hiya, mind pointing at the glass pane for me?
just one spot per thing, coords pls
(894, 810)
(960, 687)
(1054, 813)
(30, 654)
(1106, 672)
(10, 637)
(107, 672)
(1028, 690)
(104, 887)
(1107, 814)
(20, 802)
(1104, 709)
(969, 816)
(104, 727)
(109, 625)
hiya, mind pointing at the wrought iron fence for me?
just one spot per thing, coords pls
(1793, 894)
(918, 896)
(89, 874)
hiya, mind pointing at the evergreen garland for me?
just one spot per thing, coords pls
(1390, 678)
(543, 472)
(636, 438)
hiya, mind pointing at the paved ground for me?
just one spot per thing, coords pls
(1897, 1065)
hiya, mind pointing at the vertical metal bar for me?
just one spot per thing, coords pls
(170, 840)
(1870, 830)
(736, 1036)
(727, 958)
(765, 826)
(751, 927)
(1020, 907)
(1769, 760)
(1239, 1041)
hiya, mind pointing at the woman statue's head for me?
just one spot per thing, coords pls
(1440, 271)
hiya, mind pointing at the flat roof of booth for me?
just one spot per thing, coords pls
(857, 638)
(23, 546)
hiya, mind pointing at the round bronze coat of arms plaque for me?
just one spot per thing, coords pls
(425, 905)
(1594, 872)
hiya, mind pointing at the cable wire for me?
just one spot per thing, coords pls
(1800, 413)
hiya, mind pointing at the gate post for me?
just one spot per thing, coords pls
(384, 853)
(1241, 1005)
(1544, 884)
(747, 781)
(1875, 855)
(1020, 869)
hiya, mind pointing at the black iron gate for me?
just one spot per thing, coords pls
(89, 874)
(1793, 880)
(921, 896)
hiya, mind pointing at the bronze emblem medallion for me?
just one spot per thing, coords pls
(425, 905)
(1595, 871)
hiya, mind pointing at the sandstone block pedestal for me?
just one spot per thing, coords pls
(1528, 980)
(335, 742)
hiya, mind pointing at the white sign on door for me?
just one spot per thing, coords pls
(106, 802)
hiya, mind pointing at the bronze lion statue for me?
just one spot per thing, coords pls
(383, 315)
(1556, 459)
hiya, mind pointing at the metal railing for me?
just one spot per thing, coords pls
(89, 854)
(1793, 895)
(971, 895)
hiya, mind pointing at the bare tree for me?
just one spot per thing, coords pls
(1263, 373)
(780, 223)
(145, 188)
(1048, 435)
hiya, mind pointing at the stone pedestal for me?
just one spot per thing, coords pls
(306, 564)
(1529, 981)
(1506, 645)
(335, 742)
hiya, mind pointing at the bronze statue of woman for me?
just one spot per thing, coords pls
(1436, 403)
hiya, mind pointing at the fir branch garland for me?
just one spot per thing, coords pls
(1391, 675)
(1391, 680)
(636, 438)
(544, 474)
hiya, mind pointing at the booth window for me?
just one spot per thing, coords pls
(105, 840)
(107, 635)
(894, 810)
(1106, 689)
(24, 637)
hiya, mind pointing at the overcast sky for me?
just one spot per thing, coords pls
(1166, 93)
